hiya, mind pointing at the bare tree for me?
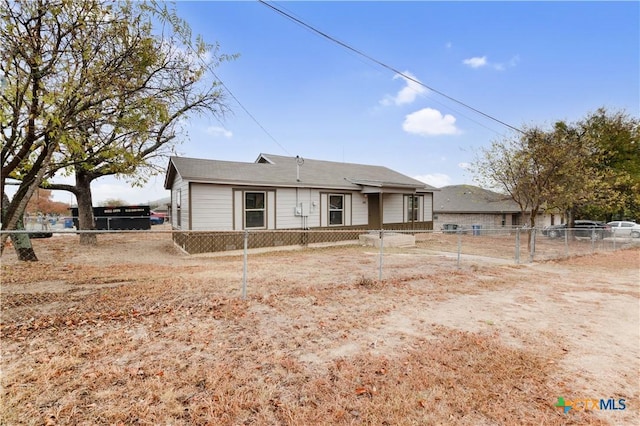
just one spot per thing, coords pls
(535, 168)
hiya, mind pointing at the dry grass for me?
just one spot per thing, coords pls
(108, 336)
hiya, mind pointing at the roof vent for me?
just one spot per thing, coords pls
(299, 162)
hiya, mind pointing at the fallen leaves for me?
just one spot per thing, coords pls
(187, 350)
(366, 391)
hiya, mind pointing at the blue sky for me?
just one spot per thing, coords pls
(524, 63)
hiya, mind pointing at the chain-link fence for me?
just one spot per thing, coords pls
(371, 255)
(47, 223)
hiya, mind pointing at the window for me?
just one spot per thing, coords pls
(254, 210)
(178, 207)
(336, 209)
(413, 206)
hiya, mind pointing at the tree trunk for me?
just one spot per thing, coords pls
(85, 208)
(21, 242)
(531, 231)
(571, 223)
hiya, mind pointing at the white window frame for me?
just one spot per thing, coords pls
(263, 209)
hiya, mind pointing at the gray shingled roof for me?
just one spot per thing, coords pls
(276, 170)
(472, 199)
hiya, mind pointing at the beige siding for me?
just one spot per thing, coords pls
(285, 209)
(324, 215)
(392, 206)
(360, 210)
(212, 207)
(238, 206)
(314, 209)
(287, 199)
(405, 209)
(428, 207)
(347, 209)
(271, 210)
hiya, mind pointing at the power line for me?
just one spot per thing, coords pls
(209, 67)
(384, 65)
(419, 93)
(255, 120)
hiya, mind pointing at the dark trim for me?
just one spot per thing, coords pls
(265, 218)
(326, 208)
(267, 211)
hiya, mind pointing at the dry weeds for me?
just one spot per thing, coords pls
(133, 332)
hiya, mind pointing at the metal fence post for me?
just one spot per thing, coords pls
(381, 254)
(566, 242)
(244, 266)
(532, 242)
(614, 240)
(517, 246)
(593, 239)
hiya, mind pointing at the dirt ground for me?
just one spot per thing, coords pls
(133, 331)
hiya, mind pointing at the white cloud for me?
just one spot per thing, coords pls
(216, 131)
(476, 62)
(465, 166)
(481, 61)
(430, 122)
(435, 179)
(408, 93)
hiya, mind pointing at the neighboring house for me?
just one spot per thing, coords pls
(283, 193)
(469, 205)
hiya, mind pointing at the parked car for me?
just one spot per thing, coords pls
(582, 229)
(625, 228)
(156, 218)
(592, 228)
(554, 231)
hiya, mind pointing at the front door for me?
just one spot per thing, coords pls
(374, 211)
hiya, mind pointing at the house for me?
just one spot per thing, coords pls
(278, 192)
(284, 193)
(469, 205)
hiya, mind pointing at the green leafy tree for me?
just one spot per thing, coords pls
(142, 126)
(575, 182)
(37, 104)
(614, 138)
